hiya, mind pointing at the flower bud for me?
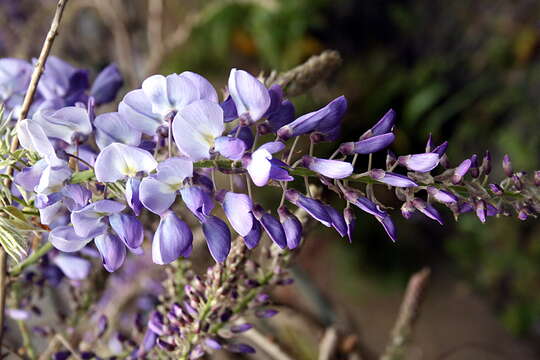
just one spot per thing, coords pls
(486, 163)
(407, 209)
(475, 172)
(461, 171)
(350, 220)
(496, 189)
(507, 165)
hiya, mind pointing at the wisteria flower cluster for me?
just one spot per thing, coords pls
(168, 138)
(166, 153)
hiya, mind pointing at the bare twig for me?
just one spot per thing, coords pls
(303, 77)
(408, 311)
(32, 87)
(111, 12)
(328, 344)
(270, 348)
(3, 276)
(155, 26)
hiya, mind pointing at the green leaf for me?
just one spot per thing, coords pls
(82, 176)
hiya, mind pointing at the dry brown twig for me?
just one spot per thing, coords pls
(32, 87)
(408, 312)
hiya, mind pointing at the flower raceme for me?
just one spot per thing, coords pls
(97, 174)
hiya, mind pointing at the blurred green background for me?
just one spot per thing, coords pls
(465, 71)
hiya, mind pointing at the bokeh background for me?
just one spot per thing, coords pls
(464, 71)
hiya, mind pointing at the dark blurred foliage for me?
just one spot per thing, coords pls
(466, 71)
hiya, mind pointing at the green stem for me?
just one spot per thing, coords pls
(32, 259)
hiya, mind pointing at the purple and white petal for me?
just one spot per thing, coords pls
(374, 144)
(74, 267)
(155, 195)
(428, 210)
(249, 94)
(392, 179)
(333, 169)
(383, 126)
(133, 195)
(292, 227)
(65, 239)
(218, 237)
(388, 226)
(259, 167)
(350, 220)
(338, 221)
(442, 195)
(118, 161)
(136, 108)
(107, 84)
(33, 138)
(237, 208)
(64, 123)
(88, 220)
(53, 178)
(112, 250)
(29, 177)
(420, 162)
(198, 201)
(271, 226)
(174, 171)
(254, 236)
(172, 239)
(314, 208)
(128, 228)
(204, 88)
(111, 128)
(196, 127)
(230, 147)
(272, 147)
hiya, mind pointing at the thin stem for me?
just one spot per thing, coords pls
(291, 150)
(169, 136)
(29, 96)
(334, 154)
(3, 276)
(355, 157)
(32, 259)
(255, 141)
(231, 182)
(408, 312)
(248, 185)
(80, 160)
(27, 341)
(308, 190)
(284, 187)
(311, 147)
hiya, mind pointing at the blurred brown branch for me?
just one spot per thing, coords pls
(408, 312)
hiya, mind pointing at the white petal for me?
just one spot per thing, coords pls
(196, 127)
(259, 167)
(155, 195)
(155, 88)
(118, 161)
(137, 110)
(111, 127)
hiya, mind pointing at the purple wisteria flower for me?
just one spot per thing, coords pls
(119, 161)
(333, 169)
(262, 167)
(325, 121)
(14, 79)
(197, 130)
(249, 95)
(158, 192)
(172, 239)
(147, 109)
